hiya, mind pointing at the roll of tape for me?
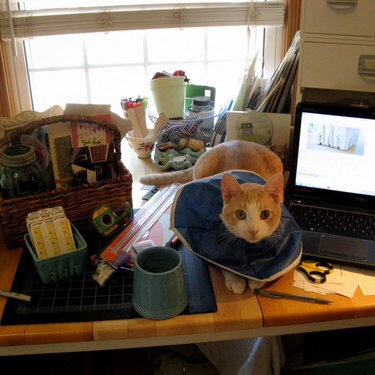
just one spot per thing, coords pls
(200, 103)
(106, 221)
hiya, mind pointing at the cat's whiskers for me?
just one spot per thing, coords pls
(227, 237)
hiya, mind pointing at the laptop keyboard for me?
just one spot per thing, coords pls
(334, 222)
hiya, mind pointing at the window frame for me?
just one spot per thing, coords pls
(14, 77)
(21, 87)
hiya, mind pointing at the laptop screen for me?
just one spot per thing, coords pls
(336, 149)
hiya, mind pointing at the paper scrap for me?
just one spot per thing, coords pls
(344, 280)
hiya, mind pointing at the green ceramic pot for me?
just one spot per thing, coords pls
(159, 290)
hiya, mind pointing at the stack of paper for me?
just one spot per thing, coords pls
(50, 232)
(344, 280)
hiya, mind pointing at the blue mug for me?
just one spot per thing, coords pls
(159, 290)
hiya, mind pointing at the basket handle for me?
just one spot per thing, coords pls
(65, 118)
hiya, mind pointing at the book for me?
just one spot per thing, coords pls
(60, 145)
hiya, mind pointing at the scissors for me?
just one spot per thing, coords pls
(315, 271)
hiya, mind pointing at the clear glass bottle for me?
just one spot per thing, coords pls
(21, 174)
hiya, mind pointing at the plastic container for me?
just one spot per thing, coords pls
(60, 267)
(169, 95)
(176, 159)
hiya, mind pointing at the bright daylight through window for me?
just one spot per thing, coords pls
(105, 66)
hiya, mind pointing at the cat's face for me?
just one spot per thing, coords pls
(251, 211)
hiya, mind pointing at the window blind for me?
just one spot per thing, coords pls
(32, 23)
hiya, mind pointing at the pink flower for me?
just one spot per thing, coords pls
(146, 146)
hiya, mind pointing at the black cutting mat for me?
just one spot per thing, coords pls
(80, 298)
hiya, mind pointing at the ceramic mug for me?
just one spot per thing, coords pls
(159, 290)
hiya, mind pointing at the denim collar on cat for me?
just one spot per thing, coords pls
(195, 219)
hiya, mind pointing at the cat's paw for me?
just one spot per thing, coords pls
(254, 284)
(234, 283)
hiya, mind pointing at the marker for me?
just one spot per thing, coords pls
(270, 294)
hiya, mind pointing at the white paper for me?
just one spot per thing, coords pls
(344, 280)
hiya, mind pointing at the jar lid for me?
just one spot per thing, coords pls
(18, 156)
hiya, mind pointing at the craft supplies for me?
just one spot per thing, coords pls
(135, 110)
(106, 222)
(159, 123)
(315, 271)
(201, 105)
(9, 294)
(106, 270)
(138, 247)
(343, 280)
(166, 158)
(153, 190)
(194, 144)
(104, 274)
(268, 293)
(21, 174)
(166, 146)
(115, 191)
(92, 153)
(150, 223)
(193, 91)
(50, 232)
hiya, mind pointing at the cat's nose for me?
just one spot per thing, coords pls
(253, 232)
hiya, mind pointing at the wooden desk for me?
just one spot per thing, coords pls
(237, 316)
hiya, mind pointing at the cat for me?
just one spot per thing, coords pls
(250, 211)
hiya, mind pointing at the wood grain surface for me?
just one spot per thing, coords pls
(242, 315)
(278, 312)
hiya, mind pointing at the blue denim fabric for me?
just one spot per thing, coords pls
(195, 218)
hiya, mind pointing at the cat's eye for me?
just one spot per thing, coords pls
(265, 214)
(240, 214)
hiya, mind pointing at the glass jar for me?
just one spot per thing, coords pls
(21, 174)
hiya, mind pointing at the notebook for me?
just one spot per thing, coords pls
(333, 169)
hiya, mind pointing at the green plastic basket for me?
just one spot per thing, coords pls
(62, 266)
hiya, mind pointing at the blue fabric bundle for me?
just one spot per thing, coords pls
(195, 219)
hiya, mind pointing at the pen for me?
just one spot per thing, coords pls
(22, 297)
(267, 293)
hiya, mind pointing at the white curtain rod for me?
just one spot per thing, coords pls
(119, 8)
(30, 23)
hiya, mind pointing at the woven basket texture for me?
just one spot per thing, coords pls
(79, 202)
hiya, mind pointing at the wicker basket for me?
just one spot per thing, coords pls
(79, 202)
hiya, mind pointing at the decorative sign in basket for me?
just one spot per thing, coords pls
(79, 201)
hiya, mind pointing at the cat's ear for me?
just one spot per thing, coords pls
(229, 187)
(275, 187)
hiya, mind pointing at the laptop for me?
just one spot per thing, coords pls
(331, 191)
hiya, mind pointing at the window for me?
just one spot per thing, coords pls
(105, 66)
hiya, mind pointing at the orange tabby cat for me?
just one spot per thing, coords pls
(250, 211)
